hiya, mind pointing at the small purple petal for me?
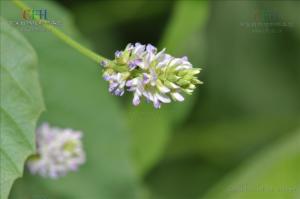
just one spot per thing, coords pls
(147, 96)
(118, 54)
(176, 62)
(185, 58)
(73, 166)
(119, 92)
(103, 63)
(157, 104)
(138, 49)
(146, 78)
(151, 49)
(153, 77)
(138, 61)
(106, 77)
(132, 82)
(136, 100)
(160, 55)
(116, 92)
(132, 65)
(129, 83)
(112, 86)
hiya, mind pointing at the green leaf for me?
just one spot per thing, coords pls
(274, 173)
(76, 97)
(21, 104)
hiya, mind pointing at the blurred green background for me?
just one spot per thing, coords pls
(237, 137)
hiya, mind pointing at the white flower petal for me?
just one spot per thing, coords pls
(181, 67)
(163, 98)
(175, 62)
(156, 102)
(174, 86)
(162, 88)
(136, 100)
(177, 96)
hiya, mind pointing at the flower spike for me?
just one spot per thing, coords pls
(58, 152)
(156, 76)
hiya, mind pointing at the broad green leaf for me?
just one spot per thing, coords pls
(151, 128)
(76, 97)
(272, 174)
(21, 104)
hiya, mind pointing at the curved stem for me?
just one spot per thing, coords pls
(62, 36)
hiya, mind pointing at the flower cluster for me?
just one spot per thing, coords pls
(58, 151)
(157, 76)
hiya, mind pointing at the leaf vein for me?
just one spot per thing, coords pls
(20, 130)
(11, 161)
(19, 85)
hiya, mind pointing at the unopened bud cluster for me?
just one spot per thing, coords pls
(157, 76)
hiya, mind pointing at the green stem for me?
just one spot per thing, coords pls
(62, 36)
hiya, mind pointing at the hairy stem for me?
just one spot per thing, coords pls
(63, 37)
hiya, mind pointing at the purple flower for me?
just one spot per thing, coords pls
(151, 49)
(106, 77)
(156, 103)
(104, 63)
(118, 54)
(146, 78)
(185, 58)
(59, 151)
(136, 99)
(119, 92)
(156, 76)
(112, 86)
